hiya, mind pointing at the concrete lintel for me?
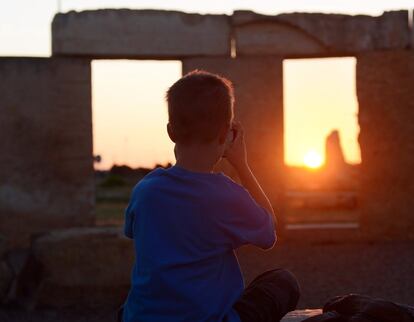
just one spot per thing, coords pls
(319, 34)
(140, 34)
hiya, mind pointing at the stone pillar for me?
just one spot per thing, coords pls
(46, 165)
(385, 89)
(259, 107)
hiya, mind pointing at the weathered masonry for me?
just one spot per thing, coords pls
(46, 166)
(385, 88)
(46, 169)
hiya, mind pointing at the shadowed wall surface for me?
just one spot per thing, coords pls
(46, 173)
(385, 88)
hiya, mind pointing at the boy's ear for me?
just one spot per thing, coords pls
(170, 132)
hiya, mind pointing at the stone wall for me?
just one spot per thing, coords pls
(153, 34)
(259, 106)
(46, 167)
(58, 137)
(385, 89)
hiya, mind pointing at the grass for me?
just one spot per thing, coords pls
(112, 199)
(110, 212)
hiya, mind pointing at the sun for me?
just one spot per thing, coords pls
(312, 159)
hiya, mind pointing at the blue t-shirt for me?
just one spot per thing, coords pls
(186, 226)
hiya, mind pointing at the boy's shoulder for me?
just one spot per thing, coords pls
(159, 177)
(233, 184)
(149, 180)
(154, 173)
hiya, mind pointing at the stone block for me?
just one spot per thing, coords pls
(78, 267)
(259, 106)
(317, 34)
(46, 165)
(153, 34)
(386, 118)
(300, 315)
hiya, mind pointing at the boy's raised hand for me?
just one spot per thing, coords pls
(236, 152)
(237, 156)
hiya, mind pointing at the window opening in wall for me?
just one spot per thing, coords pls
(322, 154)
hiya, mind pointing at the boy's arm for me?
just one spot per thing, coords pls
(251, 219)
(237, 157)
(250, 182)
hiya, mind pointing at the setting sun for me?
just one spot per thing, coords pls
(313, 159)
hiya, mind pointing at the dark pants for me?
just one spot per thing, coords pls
(267, 298)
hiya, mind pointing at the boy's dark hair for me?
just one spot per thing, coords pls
(199, 105)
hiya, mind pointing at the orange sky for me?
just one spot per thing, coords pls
(130, 115)
(129, 111)
(319, 96)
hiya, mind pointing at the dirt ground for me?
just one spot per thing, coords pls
(384, 269)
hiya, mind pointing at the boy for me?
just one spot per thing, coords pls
(186, 221)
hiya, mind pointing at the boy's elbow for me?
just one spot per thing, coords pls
(129, 236)
(128, 233)
(270, 241)
(271, 235)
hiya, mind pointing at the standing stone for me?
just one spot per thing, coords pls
(385, 89)
(259, 106)
(316, 34)
(335, 160)
(153, 34)
(46, 168)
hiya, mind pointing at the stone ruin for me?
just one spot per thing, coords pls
(46, 161)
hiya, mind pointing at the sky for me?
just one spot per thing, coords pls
(129, 120)
(319, 97)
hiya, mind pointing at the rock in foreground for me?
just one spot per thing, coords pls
(86, 267)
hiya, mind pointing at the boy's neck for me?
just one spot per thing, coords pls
(198, 158)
